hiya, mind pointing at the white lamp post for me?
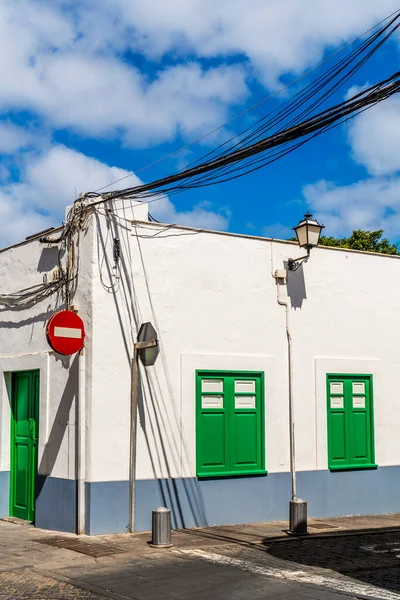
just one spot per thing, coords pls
(308, 232)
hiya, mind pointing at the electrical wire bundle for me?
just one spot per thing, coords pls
(236, 164)
(289, 126)
(77, 220)
(65, 284)
(29, 296)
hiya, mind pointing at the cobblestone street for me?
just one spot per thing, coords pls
(26, 584)
(372, 559)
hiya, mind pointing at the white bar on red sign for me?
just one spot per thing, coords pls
(68, 332)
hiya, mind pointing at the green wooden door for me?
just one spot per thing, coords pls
(24, 443)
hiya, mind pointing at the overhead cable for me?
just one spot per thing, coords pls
(197, 176)
(390, 19)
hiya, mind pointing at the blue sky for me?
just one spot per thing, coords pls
(90, 91)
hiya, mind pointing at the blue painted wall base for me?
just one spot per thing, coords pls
(55, 504)
(4, 493)
(345, 493)
(196, 503)
(107, 507)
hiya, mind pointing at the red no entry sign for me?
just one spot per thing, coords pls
(66, 332)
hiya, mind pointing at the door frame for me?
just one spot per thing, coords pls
(35, 391)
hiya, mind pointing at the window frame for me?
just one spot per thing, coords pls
(351, 377)
(201, 374)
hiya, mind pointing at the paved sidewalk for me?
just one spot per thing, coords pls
(356, 557)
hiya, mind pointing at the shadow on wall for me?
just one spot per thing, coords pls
(48, 259)
(156, 402)
(184, 496)
(117, 284)
(296, 287)
(40, 318)
(60, 423)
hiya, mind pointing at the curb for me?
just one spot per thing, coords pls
(285, 537)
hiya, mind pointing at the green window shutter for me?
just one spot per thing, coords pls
(350, 421)
(229, 423)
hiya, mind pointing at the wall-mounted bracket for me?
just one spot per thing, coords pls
(295, 263)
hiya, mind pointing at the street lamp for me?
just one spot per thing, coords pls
(308, 232)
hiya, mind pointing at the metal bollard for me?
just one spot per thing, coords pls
(298, 517)
(161, 528)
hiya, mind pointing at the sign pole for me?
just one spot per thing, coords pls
(132, 442)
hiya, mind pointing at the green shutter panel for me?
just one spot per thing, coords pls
(360, 420)
(246, 439)
(212, 431)
(338, 448)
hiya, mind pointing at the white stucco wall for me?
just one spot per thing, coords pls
(212, 299)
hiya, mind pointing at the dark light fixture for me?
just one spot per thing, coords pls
(308, 232)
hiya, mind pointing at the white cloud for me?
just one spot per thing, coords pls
(200, 216)
(100, 96)
(17, 220)
(369, 204)
(372, 203)
(51, 180)
(356, 89)
(47, 184)
(374, 137)
(13, 138)
(66, 60)
(56, 70)
(275, 36)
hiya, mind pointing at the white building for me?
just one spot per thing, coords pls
(212, 438)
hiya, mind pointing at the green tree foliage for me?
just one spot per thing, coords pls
(369, 241)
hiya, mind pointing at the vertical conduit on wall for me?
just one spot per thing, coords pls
(285, 303)
(81, 445)
(290, 386)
